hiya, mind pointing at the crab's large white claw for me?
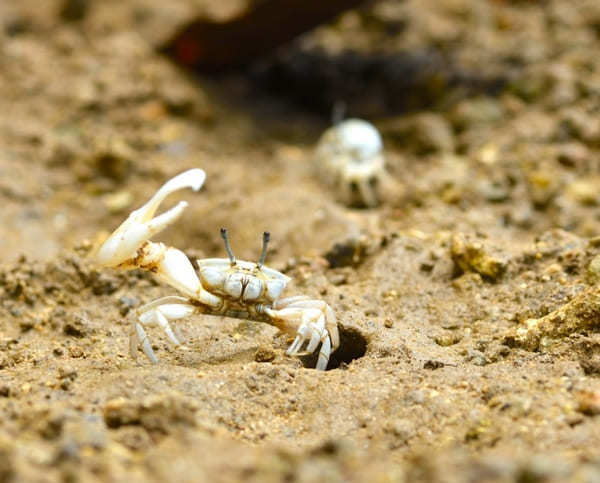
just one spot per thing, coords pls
(140, 225)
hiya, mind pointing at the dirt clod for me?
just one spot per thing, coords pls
(473, 256)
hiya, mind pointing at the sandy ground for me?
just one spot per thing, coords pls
(467, 301)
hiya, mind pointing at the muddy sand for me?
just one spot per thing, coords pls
(467, 301)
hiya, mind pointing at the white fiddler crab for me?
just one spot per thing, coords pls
(349, 155)
(221, 286)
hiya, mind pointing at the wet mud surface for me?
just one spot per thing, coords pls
(467, 302)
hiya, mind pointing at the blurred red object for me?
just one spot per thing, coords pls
(211, 45)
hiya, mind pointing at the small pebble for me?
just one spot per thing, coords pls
(76, 352)
(588, 402)
(264, 354)
(119, 201)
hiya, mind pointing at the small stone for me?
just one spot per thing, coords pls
(388, 323)
(473, 256)
(588, 402)
(584, 191)
(118, 202)
(264, 354)
(76, 352)
(447, 339)
(76, 326)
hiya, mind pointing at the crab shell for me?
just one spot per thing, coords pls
(241, 281)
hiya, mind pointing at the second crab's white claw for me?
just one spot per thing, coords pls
(140, 225)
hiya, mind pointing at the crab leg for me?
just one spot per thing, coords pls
(159, 312)
(366, 192)
(316, 323)
(304, 302)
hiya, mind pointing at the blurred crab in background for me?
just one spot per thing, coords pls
(221, 286)
(349, 157)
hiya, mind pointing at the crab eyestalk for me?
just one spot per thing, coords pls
(263, 255)
(230, 254)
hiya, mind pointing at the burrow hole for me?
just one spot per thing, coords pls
(353, 345)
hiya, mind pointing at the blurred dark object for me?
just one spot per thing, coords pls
(74, 10)
(210, 45)
(370, 84)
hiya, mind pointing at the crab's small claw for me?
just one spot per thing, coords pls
(123, 244)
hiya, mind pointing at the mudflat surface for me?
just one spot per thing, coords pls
(467, 301)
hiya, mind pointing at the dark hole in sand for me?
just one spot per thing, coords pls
(353, 345)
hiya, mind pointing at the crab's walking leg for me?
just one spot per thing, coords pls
(366, 192)
(159, 312)
(315, 322)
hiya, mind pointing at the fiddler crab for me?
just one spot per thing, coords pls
(221, 286)
(349, 157)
